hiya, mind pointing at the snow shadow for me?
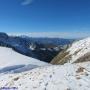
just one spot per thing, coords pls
(17, 68)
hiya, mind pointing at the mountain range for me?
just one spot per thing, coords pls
(44, 49)
(69, 70)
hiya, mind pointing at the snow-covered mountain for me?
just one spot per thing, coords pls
(11, 60)
(73, 75)
(78, 52)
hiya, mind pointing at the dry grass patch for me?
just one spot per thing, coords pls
(61, 58)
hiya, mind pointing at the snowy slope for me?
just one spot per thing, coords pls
(79, 49)
(65, 77)
(78, 52)
(10, 59)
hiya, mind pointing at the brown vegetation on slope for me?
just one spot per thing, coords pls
(61, 58)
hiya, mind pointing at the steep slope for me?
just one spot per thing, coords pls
(78, 52)
(10, 60)
(64, 77)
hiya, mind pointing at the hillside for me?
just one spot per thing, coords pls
(11, 60)
(78, 52)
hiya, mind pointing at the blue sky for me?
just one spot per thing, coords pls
(69, 18)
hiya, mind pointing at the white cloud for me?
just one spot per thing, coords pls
(26, 2)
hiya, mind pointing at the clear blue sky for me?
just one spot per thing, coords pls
(66, 16)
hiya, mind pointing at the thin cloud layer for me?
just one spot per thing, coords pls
(54, 34)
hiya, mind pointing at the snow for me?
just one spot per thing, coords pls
(81, 48)
(10, 59)
(70, 76)
(65, 77)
